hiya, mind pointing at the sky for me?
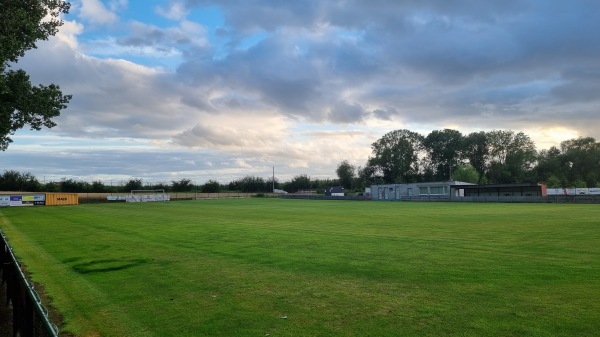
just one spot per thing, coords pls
(165, 90)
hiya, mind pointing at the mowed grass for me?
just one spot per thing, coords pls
(270, 267)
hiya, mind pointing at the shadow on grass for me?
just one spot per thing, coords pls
(102, 266)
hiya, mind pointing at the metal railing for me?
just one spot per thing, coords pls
(30, 317)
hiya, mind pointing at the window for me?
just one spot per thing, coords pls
(439, 189)
(423, 190)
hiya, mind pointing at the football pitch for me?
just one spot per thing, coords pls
(273, 267)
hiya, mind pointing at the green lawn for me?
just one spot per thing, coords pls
(258, 267)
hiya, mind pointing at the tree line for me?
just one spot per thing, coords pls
(15, 181)
(494, 157)
(400, 156)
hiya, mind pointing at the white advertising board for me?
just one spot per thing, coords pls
(594, 190)
(573, 191)
(555, 191)
(148, 197)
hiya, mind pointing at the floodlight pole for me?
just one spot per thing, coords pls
(273, 191)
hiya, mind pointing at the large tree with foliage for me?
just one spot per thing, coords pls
(346, 173)
(512, 156)
(12, 180)
(396, 156)
(365, 176)
(549, 169)
(581, 160)
(22, 23)
(476, 150)
(444, 150)
(465, 173)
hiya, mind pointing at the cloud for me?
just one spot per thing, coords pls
(68, 33)
(580, 84)
(222, 137)
(345, 113)
(305, 84)
(187, 33)
(95, 12)
(174, 11)
(418, 61)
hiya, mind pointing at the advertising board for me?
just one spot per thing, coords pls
(573, 191)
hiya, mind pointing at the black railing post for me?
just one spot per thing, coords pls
(29, 317)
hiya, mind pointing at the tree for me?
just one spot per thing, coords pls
(161, 186)
(346, 172)
(98, 187)
(73, 186)
(183, 185)
(443, 149)
(133, 184)
(365, 176)
(12, 180)
(549, 167)
(250, 184)
(51, 186)
(476, 150)
(211, 186)
(299, 182)
(583, 158)
(553, 182)
(512, 156)
(271, 183)
(466, 173)
(22, 23)
(396, 156)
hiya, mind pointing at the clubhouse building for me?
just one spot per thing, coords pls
(457, 191)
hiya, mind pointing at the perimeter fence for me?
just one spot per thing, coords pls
(29, 316)
(556, 199)
(321, 197)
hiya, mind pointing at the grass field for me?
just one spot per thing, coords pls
(270, 267)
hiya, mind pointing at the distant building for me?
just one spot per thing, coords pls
(442, 190)
(334, 191)
(502, 190)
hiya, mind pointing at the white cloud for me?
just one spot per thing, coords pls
(175, 11)
(151, 42)
(68, 33)
(117, 5)
(95, 12)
